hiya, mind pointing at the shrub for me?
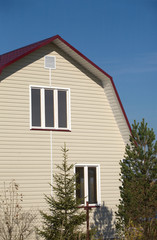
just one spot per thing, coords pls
(15, 224)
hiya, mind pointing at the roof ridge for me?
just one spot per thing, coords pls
(12, 56)
(8, 58)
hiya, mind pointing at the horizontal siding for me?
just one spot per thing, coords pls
(117, 111)
(99, 131)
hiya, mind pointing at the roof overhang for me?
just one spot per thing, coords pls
(11, 57)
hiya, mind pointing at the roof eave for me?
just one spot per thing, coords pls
(106, 74)
(43, 43)
(91, 64)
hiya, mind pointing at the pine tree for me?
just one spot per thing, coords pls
(64, 217)
(138, 189)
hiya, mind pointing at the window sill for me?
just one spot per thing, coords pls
(51, 129)
(92, 205)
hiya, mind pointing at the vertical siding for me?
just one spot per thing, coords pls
(98, 130)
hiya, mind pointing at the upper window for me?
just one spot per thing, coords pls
(88, 180)
(50, 108)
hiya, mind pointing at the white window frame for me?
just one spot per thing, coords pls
(85, 166)
(42, 92)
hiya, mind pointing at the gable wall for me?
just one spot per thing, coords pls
(25, 155)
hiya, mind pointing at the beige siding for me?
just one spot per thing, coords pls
(117, 111)
(98, 134)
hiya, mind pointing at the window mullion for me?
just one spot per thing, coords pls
(55, 108)
(42, 114)
(43, 107)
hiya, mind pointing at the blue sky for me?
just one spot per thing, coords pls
(120, 36)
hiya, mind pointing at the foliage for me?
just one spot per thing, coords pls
(133, 232)
(64, 217)
(138, 190)
(15, 224)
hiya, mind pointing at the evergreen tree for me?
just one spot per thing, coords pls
(138, 189)
(64, 218)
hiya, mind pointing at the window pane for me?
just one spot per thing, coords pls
(62, 109)
(49, 108)
(92, 191)
(36, 116)
(80, 183)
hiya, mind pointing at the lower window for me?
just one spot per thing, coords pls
(88, 180)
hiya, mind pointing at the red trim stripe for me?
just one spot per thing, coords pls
(84, 57)
(106, 74)
(49, 129)
(124, 113)
(13, 56)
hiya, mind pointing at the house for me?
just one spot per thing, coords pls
(51, 94)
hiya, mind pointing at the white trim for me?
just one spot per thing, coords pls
(88, 165)
(51, 151)
(42, 92)
(51, 164)
(54, 62)
(69, 109)
(98, 185)
(48, 87)
(86, 181)
(42, 103)
(56, 108)
(30, 107)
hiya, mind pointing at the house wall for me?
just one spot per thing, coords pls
(95, 137)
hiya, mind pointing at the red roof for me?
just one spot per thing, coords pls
(11, 57)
